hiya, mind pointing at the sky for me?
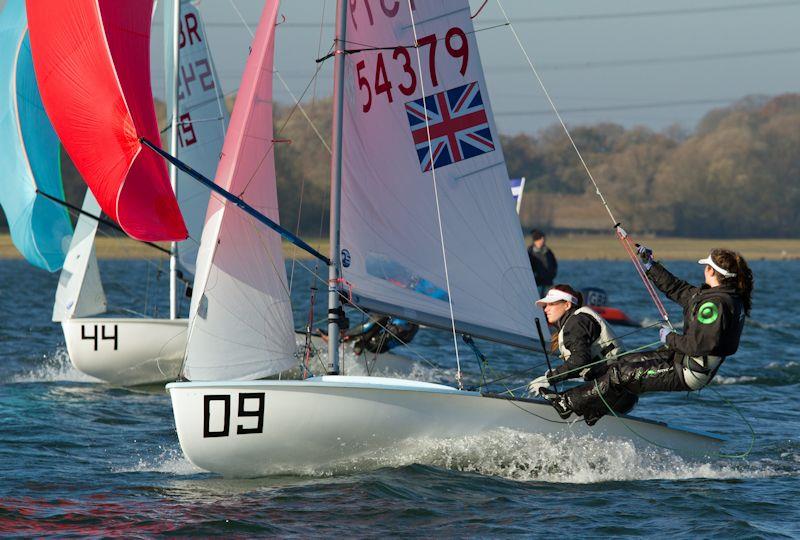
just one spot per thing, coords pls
(632, 62)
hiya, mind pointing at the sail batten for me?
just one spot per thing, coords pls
(391, 242)
(241, 319)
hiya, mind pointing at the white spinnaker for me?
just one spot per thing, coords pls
(80, 291)
(241, 318)
(390, 232)
(203, 119)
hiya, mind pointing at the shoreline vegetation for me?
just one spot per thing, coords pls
(733, 175)
(566, 248)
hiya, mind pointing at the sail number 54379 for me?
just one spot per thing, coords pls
(377, 83)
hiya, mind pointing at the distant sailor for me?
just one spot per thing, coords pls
(543, 261)
(583, 338)
(714, 316)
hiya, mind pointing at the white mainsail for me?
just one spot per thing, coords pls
(80, 291)
(240, 319)
(391, 246)
(202, 118)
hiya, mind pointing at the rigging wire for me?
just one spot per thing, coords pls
(313, 291)
(297, 106)
(436, 199)
(621, 234)
(297, 101)
(742, 455)
(363, 312)
(303, 178)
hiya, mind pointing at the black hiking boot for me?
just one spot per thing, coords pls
(559, 402)
(592, 420)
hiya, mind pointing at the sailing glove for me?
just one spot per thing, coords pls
(663, 332)
(645, 255)
(538, 383)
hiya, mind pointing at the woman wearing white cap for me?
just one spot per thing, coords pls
(583, 338)
(714, 315)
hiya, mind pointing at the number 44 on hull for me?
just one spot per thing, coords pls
(125, 351)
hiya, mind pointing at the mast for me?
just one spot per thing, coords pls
(173, 145)
(334, 306)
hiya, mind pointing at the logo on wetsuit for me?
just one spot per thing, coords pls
(707, 313)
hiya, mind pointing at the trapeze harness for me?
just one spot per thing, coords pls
(699, 370)
(604, 346)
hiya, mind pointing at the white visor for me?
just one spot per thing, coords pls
(554, 295)
(716, 267)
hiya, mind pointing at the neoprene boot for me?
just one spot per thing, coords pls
(559, 402)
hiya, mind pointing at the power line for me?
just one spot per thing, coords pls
(654, 13)
(627, 107)
(654, 60)
(565, 18)
(564, 66)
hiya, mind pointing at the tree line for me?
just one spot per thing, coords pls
(737, 174)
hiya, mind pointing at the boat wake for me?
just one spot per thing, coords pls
(53, 368)
(773, 374)
(721, 380)
(533, 457)
(169, 461)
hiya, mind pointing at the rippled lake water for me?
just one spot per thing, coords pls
(80, 457)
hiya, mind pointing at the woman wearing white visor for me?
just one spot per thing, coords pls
(713, 314)
(582, 338)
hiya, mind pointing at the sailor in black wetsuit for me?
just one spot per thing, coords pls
(582, 338)
(381, 334)
(714, 316)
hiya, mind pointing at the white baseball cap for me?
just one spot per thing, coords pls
(555, 295)
(716, 267)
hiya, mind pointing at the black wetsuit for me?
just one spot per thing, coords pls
(382, 333)
(713, 323)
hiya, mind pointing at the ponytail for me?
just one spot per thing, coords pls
(742, 281)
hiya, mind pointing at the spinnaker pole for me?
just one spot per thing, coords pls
(238, 201)
(334, 304)
(173, 146)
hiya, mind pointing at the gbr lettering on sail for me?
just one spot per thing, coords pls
(196, 87)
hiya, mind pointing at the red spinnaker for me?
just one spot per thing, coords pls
(92, 63)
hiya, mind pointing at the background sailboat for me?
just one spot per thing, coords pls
(470, 277)
(40, 226)
(131, 351)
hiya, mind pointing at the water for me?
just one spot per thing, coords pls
(79, 457)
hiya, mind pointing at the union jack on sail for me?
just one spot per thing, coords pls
(459, 128)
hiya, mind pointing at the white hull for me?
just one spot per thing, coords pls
(131, 352)
(125, 351)
(274, 427)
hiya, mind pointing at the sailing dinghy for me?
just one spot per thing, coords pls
(423, 183)
(124, 350)
(40, 226)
